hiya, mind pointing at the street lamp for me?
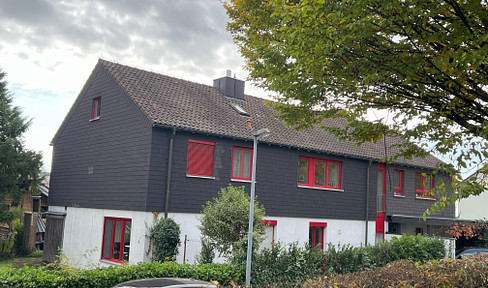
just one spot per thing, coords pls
(260, 133)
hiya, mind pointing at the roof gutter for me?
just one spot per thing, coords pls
(367, 205)
(168, 176)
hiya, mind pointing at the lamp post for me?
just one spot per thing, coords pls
(260, 133)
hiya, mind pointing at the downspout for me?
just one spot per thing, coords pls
(170, 167)
(367, 204)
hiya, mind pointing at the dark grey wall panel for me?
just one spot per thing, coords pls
(409, 204)
(158, 169)
(116, 148)
(276, 185)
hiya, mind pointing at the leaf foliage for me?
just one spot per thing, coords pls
(422, 63)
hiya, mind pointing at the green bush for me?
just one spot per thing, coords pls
(446, 273)
(165, 237)
(19, 249)
(346, 259)
(291, 264)
(108, 277)
(416, 248)
(295, 265)
(207, 253)
(35, 254)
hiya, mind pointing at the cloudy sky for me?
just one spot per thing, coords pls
(49, 48)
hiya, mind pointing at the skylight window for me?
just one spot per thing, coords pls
(239, 109)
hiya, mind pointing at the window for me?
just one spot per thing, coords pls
(321, 173)
(116, 239)
(241, 163)
(424, 183)
(398, 182)
(200, 158)
(316, 234)
(96, 107)
(394, 228)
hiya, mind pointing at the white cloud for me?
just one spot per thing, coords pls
(49, 49)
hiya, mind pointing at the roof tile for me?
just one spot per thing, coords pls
(174, 102)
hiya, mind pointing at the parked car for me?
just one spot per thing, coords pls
(167, 283)
(471, 252)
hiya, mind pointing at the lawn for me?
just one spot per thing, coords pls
(5, 265)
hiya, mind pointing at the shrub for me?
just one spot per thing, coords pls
(291, 264)
(19, 249)
(469, 272)
(107, 277)
(295, 265)
(35, 254)
(346, 259)
(225, 220)
(416, 248)
(165, 237)
(207, 253)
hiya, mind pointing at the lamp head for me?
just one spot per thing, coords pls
(264, 132)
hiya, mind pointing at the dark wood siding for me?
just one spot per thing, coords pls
(102, 163)
(409, 204)
(276, 186)
(158, 169)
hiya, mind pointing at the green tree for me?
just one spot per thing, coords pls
(165, 238)
(421, 62)
(225, 220)
(19, 168)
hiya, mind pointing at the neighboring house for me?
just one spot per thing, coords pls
(137, 145)
(474, 207)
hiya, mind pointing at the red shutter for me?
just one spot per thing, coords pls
(200, 158)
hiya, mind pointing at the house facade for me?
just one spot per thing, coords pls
(474, 207)
(137, 146)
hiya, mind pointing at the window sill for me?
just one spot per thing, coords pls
(240, 180)
(115, 263)
(202, 177)
(424, 198)
(94, 119)
(319, 188)
(398, 195)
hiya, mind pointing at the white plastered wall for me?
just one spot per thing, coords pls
(84, 232)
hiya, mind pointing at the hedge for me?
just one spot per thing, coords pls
(446, 273)
(107, 277)
(293, 264)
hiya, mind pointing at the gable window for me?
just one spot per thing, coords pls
(314, 172)
(424, 183)
(316, 234)
(398, 182)
(96, 107)
(116, 239)
(241, 163)
(200, 158)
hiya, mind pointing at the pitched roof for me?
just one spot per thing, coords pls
(185, 105)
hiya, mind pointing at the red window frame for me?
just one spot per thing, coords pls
(398, 190)
(241, 165)
(311, 173)
(200, 158)
(273, 224)
(423, 193)
(314, 225)
(96, 107)
(122, 234)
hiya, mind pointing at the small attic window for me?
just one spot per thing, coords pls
(239, 109)
(96, 108)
